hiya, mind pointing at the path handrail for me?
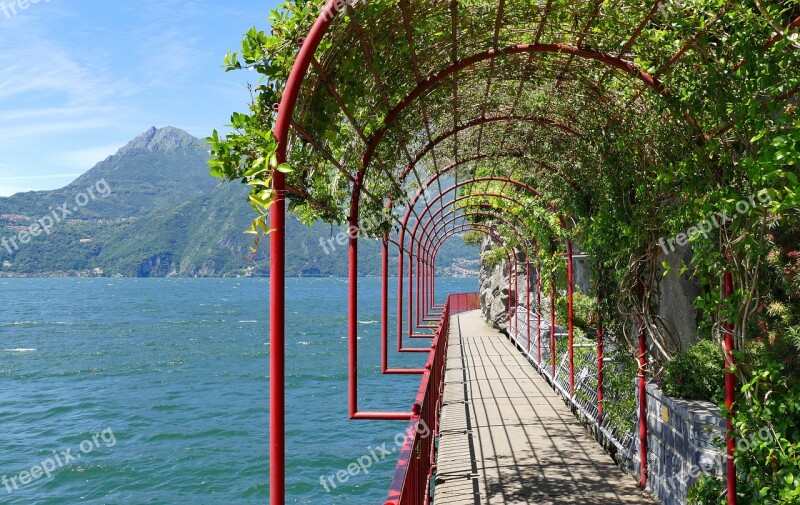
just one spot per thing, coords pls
(416, 466)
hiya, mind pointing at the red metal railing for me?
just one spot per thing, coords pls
(417, 464)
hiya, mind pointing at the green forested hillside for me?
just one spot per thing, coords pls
(153, 210)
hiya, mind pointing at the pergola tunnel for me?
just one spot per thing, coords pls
(657, 140)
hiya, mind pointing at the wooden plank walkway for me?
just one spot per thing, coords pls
(507, 438)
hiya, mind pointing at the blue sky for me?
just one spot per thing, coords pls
(80, 78)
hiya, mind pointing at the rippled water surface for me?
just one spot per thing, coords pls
(146, 391)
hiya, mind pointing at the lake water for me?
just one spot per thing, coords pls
(155, 391)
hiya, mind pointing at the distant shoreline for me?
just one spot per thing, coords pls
(59, 275)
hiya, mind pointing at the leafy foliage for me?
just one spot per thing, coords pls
(767, 453)
(584, 310)
(696, 374)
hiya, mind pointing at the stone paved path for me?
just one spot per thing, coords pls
(506, 438)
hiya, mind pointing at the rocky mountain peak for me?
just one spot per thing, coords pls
(160, 140)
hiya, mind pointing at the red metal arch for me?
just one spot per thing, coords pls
(428, 206)
(494, 215)
(411, 245)
(277, 211)
(441, 224)
(570, 275)
(481, 121)
(464, 182)
(607, 59)
(424, 232)
(385, 308)
(511, 259)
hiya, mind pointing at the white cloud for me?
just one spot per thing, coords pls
(84, 159)
(34, 177)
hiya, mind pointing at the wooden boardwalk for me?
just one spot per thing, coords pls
(507, 438)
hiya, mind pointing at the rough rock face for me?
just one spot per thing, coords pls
(160, 139)
(678, 293)
(494, 288)
(580, 268)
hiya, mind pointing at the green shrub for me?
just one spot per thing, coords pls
(619, 390)
(584, 310)
(696, 374)
(767, 431)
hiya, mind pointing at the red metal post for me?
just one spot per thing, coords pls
(570, 319)
(599, 367)
(516, 289)
(411, 290)
(277, 347)
(528, 300)
(433, 277)
(539, 312)
(509, 295)
(425, 286)
(352, 315)
(385, 304)
(730, 394)
(423, 294)
(642, 405)
(417, 276)
(553, 326)
(427, 299)
(277, 424)
(400, 297)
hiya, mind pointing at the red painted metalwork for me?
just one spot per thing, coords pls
(411, 482)
(461, 183)
(424, 212)
(277, 218)
(553, 327)
(384, 304)
(426, 233)
(478, 121)
(642, 387)
(352, 334)
(404, 226)
(600, 408)
(278, 257)
(352, 317)
(612, 61)
(426, 225)
(429, 236)
(539, 313)
(730, 394)
(510, 294)
(385, 318)
(442, 223)
(528, 301)
(487, 230)
(570, 320)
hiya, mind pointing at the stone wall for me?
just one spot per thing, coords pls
(678, 292)
(682, 438)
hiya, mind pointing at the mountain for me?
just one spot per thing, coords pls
(152, 210)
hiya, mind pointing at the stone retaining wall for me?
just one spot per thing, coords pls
(682, 438)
